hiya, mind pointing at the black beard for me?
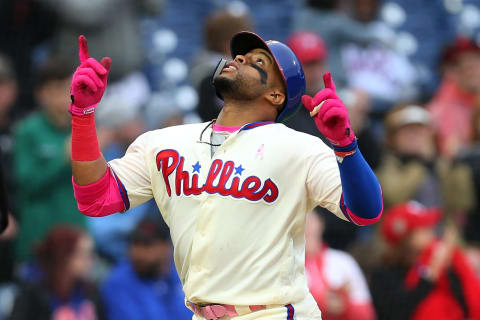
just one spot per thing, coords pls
(237, 89)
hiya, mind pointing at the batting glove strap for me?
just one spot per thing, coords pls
(76, 111)
(346, 151)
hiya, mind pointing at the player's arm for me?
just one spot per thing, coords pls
(95, 187)
(361, 201)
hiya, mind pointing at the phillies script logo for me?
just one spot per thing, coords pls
(251, 188)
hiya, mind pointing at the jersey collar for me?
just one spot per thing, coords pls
(254, 125)
(209, 128)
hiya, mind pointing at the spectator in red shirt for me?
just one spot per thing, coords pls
(334, 277)
(453, 105)
(423, 277)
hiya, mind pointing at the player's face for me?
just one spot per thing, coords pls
(249, 76)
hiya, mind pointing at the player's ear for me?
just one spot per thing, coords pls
(275, 97)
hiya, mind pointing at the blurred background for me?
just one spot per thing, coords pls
(408, 71)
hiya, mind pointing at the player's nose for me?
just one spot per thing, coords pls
(240, 59)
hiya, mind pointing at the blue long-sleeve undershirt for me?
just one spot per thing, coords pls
(361, 200)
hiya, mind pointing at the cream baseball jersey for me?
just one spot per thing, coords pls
(236, 218)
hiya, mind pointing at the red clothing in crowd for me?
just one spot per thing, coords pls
(452, 110)
(441, 303)
(338, 285)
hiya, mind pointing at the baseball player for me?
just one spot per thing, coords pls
(234, 191)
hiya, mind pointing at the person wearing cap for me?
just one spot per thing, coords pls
(312, 52)
(455, 101)
(411, 169)
(145, 285)
(422, 276)
(310, 49)
(234, 191)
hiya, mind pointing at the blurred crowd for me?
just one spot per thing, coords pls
(408, 71)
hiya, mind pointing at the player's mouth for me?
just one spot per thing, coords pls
(231, 66)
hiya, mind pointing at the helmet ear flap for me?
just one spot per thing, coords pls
(293, 77)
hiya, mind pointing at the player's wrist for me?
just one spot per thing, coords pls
(339, 136)
(81, 111)
(346, 150)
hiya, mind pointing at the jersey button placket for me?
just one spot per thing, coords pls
(223, 148)
(208, 209)
(201, 242)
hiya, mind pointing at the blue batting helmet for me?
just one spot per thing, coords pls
(287, 62)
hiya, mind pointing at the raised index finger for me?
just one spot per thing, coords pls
(83, 49)
(328, 82)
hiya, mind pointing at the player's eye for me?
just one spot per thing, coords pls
(260, 61)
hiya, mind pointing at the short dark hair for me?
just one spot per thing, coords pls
(53, 69)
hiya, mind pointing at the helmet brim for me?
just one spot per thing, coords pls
(245, 41)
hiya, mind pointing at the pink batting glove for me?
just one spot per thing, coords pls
(330, 114)
(89, 81)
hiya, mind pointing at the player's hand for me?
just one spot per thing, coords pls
(330, 114)
(89, 81)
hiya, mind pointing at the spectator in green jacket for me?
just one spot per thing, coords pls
(41, 160)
